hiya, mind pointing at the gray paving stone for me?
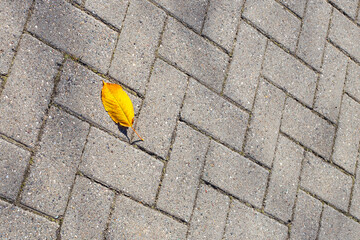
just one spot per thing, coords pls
(132, 220)
(306, 217)
(235, 174)
(16, 223)
(352, 80)
(73, 31)
(355, 201)
(245, 66)
(335, 225)
(347, 138)
(121, 166)
(13, 14)
(308, 128)
(298, 6)
(112, 12)
(138, 41)
(290, 74)
(53, 170)
(348, 6)
(246, 223)
(179, 186)
(215, 115)
(221, 21)
(210, 212)
(189, 11)
(326, 181)
(194, 54)
(28, 89)
(284, 179)
(161, 107)
(88, 211)
(13, 162)
(331, 83)
(346, 34)
(265, 123)
(314, 30)
(273, 19)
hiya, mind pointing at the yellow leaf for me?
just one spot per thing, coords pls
(118, 105)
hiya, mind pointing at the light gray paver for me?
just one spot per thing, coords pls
(138, 41)
(221, 21)
(121, 166)
(53, 171)
(352, 85)
(243, 76)
(88, 211)
(284, 179)
(210, 212)
(306, 217)
(161, 107)
(308, 128)
(288, 72)
(13, 162)
(179, 186)
(314, 30)
(211, 113)
(265, 123)
(30, 84)
(298, 6)
(195, 55)
(89, 39)
(248, 224)
(273, 19)
(13, 14)
(355, 201)
(326, 181)
(131, 220)
(235, 174)
(348, 6)
(16, 223)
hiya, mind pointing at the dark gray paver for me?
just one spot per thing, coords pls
(70, 29)
(28, 89)
(121, 166)
(265, 123)
(138, 41)
(195, 55)
(88, 211)
(162, 103)
(298, 6)
(352, 80)
(181, 180)
(348, 6)
(307, 128)
(243, 76)
(211, 113)
(235, 174)
(209, 217)
(131, 220)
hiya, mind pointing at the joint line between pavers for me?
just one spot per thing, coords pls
(320, 222)
(205, 17)
(111, 213)
(284, 6)
(343, 12)
(227, 217)
(301, 26)
(344, 51)
(16, 142)
(354, 178)
(357, 11)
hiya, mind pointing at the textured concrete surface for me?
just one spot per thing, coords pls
(249, 111)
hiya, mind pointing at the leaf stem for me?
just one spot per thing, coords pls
(137, 134)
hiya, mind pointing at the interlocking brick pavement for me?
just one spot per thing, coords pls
(249, 111)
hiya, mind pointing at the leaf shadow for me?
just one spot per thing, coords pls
(124, 130)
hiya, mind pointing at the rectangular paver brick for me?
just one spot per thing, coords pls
(131, 220)
(209, 218)
(195, 55)
(288, 72)
(181, 180)
(161, 107)
(53, 171)
(284, 179)
(326, 181)
(247, 224)
(273, 19)
(298, 6)
(137, 44)
(73, 31)
(265, 123)
(308, 128)
(28, 89)
(213, 114)
(314, 31)
(245, 66)
(88, 210)
(348, 6)
(121, 166)
(235, 174)
(352, 80)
